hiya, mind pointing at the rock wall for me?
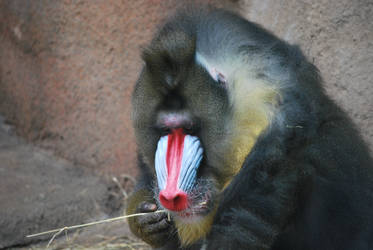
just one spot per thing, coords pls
(67, 68)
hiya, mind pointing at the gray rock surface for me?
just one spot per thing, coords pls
(39, 192)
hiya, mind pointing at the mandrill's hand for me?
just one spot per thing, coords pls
(154, 229)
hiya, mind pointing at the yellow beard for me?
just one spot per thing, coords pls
(253, 106)
(191, 232)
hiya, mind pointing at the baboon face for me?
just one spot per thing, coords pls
(181, 116)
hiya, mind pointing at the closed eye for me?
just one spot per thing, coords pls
(212, 71)
(221, 79)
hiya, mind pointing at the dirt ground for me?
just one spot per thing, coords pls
(111, 236)
(40, 192)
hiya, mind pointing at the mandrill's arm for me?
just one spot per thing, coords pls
(260, 200)
(154, 229)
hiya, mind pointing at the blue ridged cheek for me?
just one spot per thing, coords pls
(160, 162)
(191, 159)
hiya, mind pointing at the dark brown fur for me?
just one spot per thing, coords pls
(307, 183)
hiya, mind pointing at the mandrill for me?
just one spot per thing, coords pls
(240, 145)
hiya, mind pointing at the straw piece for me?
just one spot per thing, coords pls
(60, 230)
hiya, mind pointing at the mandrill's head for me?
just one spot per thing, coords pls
(196, 118)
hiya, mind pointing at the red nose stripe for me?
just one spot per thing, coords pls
(171, 197)
(174, 156)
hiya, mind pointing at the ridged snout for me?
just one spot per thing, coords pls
(177, 159)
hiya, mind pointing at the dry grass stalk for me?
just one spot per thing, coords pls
(65, 229)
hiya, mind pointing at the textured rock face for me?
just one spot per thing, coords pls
(337, 37)
(39, 191)
(67, 68)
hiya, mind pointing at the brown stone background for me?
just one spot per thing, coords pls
(67, 69)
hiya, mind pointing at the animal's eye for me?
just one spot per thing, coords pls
(221, 79)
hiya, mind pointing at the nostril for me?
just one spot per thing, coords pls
(175, 201)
